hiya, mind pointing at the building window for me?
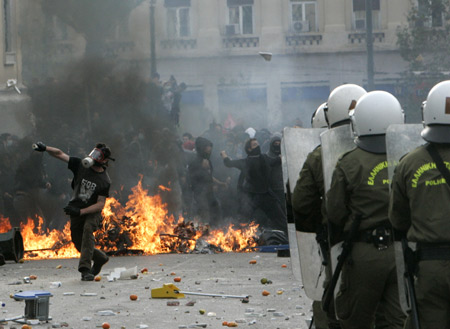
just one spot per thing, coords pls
(240, 17)
(303, 16)
(431, 13)
(178, 22)
(178, 18)
(359, 15)
(7, 26)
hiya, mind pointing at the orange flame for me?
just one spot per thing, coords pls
(163, 188)
(5, 225)
(145, 223)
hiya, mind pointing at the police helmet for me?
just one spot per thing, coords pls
(436, 114)
(373, 114)
(318, 119)
(340, 102)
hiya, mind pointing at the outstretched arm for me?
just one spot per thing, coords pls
(53, 151)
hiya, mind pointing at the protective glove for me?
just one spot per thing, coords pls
(72, 211)
(40, 147)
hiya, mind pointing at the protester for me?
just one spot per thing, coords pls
(91, 186)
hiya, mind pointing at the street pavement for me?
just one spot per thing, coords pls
(77, 304)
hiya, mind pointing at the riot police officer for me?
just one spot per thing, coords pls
(309, 193)
(420, 207)
(360, 191)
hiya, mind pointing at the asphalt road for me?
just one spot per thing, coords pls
(76, 304)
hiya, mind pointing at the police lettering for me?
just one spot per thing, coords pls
(373, 174)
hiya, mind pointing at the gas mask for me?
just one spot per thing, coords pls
(96, 157)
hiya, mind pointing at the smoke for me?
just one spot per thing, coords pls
(94, 101)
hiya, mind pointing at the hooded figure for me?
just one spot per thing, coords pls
(202, 184)
(276, 182)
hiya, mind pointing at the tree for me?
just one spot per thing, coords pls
(96, 20)
(424, 43)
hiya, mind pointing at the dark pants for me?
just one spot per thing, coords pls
(208, 207)
(368, 285)
(82, 230)
(268, 204)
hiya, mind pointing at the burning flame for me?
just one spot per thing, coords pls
(143, 225)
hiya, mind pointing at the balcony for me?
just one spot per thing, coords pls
(113, 49)
(179, 44)
(360, 37)
(240, 42)
(303, 39)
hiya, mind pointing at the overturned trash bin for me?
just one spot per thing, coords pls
(36, 304)
(11, 245)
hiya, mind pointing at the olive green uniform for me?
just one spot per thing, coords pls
(360, 187)
(309, 208)
(308, 196)
(420, 206)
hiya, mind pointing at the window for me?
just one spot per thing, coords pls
(178, 22)
(240, 17)
(430, 13)
(178, 18)
(359, 15)
(303, 16)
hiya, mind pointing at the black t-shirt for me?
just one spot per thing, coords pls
(87, 184)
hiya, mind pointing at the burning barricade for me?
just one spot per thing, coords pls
(141, 226)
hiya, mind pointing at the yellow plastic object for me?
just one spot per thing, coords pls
(168, 290)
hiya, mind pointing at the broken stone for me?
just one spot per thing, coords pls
(88, 294)
(173, 303)
(211, 314)
(142, 326)
(249, 310)
(278, 314)
(252, 322)
(106, 313)
(191, 303)
(87, 318)
(271, 310)
(241, 321)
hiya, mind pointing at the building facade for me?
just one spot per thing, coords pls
(14, 104)
(213, 46)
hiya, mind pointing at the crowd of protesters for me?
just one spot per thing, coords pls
(235, 174)
(230, 175)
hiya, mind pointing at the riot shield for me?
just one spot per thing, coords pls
(335, 142)
(400, 140)
(297, 143)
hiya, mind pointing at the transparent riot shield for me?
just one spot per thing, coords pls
(400, 140)
(335, 142)
(306, 261)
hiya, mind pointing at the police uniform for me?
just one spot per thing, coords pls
(420, 206)
(360, 187)
(310, 216)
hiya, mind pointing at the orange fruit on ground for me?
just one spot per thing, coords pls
(133, 297)
(98, 278)
(177, 279)
(284, 265)
(26, 326)
(232, 324)
(144, 270)
(224, 323)
(253, 261)
(33, 277)
(105, 325)
(265, 293)
(173, 273)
